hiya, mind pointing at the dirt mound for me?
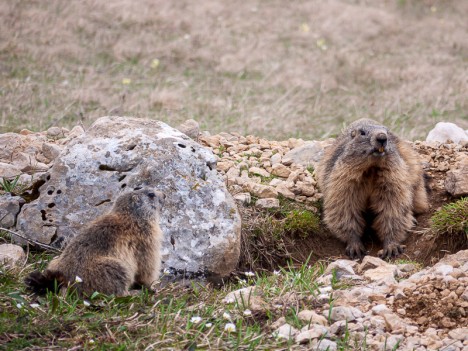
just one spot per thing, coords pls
(437, 303)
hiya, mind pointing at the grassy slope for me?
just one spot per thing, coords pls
(229, 66)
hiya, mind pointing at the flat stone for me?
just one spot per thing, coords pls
(11, 255)
(312, 317)
(341, 267)
(383, 274)
(370, 262)
(8, 170)
(261, 191)
(459, 334)
(394, 323)
(259, 171)
(344, 313)
(306, 155)
(315, 332)
(326, 345)
(267, 203)
(286, 331)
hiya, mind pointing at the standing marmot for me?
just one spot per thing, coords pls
(369, 169)
(113, 252)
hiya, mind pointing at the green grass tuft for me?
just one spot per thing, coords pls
(451, 218)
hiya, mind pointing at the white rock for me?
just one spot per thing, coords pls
(443, 269)
(306, 155)
(267, 203)
(325, 345)
(341, 267)
(384, 274)
(314, 332)
(459, 334)
(370, 262)
(344, 313)
(200, 220)
(380, 310)
(445, 131)
(11, 255)
(286, 331)
(276, 158)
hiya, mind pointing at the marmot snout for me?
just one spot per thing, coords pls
(113, 252)
(369, 169)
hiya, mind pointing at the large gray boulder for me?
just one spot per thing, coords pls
(200, 220)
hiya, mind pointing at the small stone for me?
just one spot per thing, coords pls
(276, 158)
(286, 331)
(392, 341)
(224, 166)
(54, 132)
(315, 332)
(444, 132)
(380, 310)
(383, 274)
(326, 345)
(371, 262)
(244, 198)
(25, 132)
(459, 334)
(341, 267)
(11, 255)
(9, 208)
(280, 170)
(261, 191)
(50, 151)
(259, 171)
(312, 317)
(8, 170)
(394, 323)
(306, 155)
(340, 313)
(190, 128)
(267, 203)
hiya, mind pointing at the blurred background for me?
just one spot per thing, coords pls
(272, 68)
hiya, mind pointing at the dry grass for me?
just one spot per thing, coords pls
(272, 68)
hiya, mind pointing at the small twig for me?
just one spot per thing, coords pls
(31, 241)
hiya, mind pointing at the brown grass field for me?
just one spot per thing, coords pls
(273, 68)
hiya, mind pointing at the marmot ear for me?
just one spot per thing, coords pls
(353, 133)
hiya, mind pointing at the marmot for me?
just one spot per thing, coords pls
(113, 252)
(369, 169)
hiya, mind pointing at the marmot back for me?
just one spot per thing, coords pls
(368, 168)
(113, 252)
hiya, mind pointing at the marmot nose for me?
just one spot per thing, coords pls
(382, 138)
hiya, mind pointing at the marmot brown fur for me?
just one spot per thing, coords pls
(113, 252)
(369, 169)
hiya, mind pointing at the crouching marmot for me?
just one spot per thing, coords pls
(369, 169)
(113, 252)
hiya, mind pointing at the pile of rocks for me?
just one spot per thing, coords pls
(449, 159)
(427, 311)
(267, 169)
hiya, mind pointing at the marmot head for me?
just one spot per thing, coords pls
(144, 203)
(369, 140)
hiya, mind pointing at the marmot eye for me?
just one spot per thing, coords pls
(151, 195)
(362, 132)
